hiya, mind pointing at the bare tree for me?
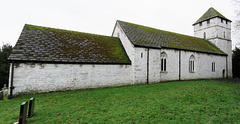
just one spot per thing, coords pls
(236, 22)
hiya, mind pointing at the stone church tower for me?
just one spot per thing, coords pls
(216, 28)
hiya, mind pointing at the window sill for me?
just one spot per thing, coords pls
(191, 71)
(163, 72)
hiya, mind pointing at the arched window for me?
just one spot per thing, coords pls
(213, 66)
(191, 63)
(163, 61)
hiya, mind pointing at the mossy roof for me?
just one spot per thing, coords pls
(149, 37)
(45, 44)
(210, 13)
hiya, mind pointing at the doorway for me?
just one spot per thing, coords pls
(223, 73)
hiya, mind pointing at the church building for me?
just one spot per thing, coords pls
(49, 59)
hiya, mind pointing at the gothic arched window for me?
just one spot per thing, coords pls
(163, 61)
(191, 63)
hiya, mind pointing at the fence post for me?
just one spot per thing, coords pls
(23, 113)
(31, 107)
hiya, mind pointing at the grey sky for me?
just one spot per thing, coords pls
(99, 16)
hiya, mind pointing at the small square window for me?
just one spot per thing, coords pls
(200, 23)
(208, 21)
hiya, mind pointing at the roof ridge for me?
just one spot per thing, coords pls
(162, 30)
(46, 27)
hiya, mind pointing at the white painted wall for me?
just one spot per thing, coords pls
(32, 77)
(172, 68)
(140, 65)
(202, 65)
(225, 46)
(154, 65)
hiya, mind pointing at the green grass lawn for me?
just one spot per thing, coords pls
(203, 101)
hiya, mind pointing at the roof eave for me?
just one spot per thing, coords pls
(211, 18)
(67, 62)
(216, 53)
(222, 54)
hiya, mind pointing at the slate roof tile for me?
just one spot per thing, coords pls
(56, 45)
(149, 37)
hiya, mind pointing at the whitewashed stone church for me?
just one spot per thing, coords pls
(47, 59)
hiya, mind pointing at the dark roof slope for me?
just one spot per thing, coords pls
(150, 37)
(44, 44)
(210, 13)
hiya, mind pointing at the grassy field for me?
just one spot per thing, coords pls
(203, 101)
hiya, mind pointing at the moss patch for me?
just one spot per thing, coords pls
(150, 37)
(50, 44)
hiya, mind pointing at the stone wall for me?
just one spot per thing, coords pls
(202, 66)
(37, 77)
(176, 69)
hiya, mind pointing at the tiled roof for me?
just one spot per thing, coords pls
(55, 45)
(210, 13)
(150, 37)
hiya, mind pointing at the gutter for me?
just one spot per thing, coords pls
(179, 65)
(148, 66)
(11, 84)
(226, 67)
(214, 53)
(67, 62)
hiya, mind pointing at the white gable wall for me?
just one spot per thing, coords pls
(128, 46)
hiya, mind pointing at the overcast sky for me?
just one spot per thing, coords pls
(99, 16)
